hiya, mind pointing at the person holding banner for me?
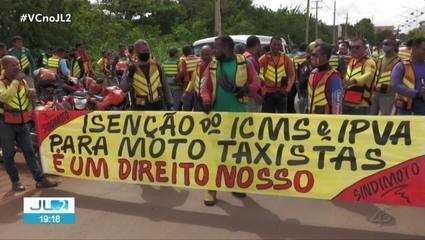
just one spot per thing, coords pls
(145, 79)
(325, 89)
(408, 81)
(15, 97)
(358, 79)
(228, 83)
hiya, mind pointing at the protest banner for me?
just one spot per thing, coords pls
(367, 159)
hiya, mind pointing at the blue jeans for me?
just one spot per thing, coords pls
(19, 134)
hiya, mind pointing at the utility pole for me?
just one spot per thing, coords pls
(317, 17)
(346, 27)
(217, 18)
(307, 22)
(334, 29)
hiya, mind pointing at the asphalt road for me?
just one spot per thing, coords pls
(125, 211)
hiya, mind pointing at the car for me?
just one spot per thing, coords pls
(238, 39)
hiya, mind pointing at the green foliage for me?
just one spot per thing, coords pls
(383, 35)
(415, 33)
(364, 28)
(104, 24)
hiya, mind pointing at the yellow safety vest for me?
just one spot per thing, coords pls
(53, 63)
(273, 73)
(16, 109)
(45, 60)
(76, 69)
(405, 53)
(352, 71)
(24, 63)
(318, 102)
(383, 76)
(170, 68)
(147, 91)
(334, 62)
(409, 81)
(240, 80)
(195, 84)
(191, 63)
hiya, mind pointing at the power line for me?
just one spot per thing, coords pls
(317, 7)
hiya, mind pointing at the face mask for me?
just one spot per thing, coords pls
(144, 56)
(387, 48)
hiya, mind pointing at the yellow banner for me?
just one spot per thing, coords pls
(354, 158)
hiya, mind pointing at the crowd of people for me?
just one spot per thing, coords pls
(317, 79)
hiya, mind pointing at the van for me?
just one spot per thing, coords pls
(238, 39)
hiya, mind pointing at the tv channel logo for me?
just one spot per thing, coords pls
(49, 210)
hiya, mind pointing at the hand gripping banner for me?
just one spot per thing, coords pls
(368, 159)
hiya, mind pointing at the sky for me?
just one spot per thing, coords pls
(382, 12)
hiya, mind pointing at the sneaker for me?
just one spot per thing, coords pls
(210, 198)
(18, 187)
(239, 195)
(46, 183)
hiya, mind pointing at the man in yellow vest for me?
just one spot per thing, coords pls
(15, 97)
(227, 86)
(358, 79)
(58, 64)
(325, 91)
(278, 76)
(145, 80)
(187, 66)
(77, 65)
(26, 61)
(191, 97)
(104, 63)
(408, 81)
(382, 95)
(170, 67)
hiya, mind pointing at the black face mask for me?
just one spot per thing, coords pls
(144, 56)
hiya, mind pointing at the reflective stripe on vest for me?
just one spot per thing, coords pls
(24, 62)
(191, 63)
(317, 95)
(354, 70)
(45, 60)
(16, 109)
(241, 76)
(274, 72)
(75, 69)
(334, 62)
(53, 63)
(405, 54)
(409, 81)
(383, 76)
(170, 68)
(147, 91)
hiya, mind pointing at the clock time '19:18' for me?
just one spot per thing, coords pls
(50, 218)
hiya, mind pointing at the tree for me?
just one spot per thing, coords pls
(364, 28)
(380, 36)
(415, 33)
